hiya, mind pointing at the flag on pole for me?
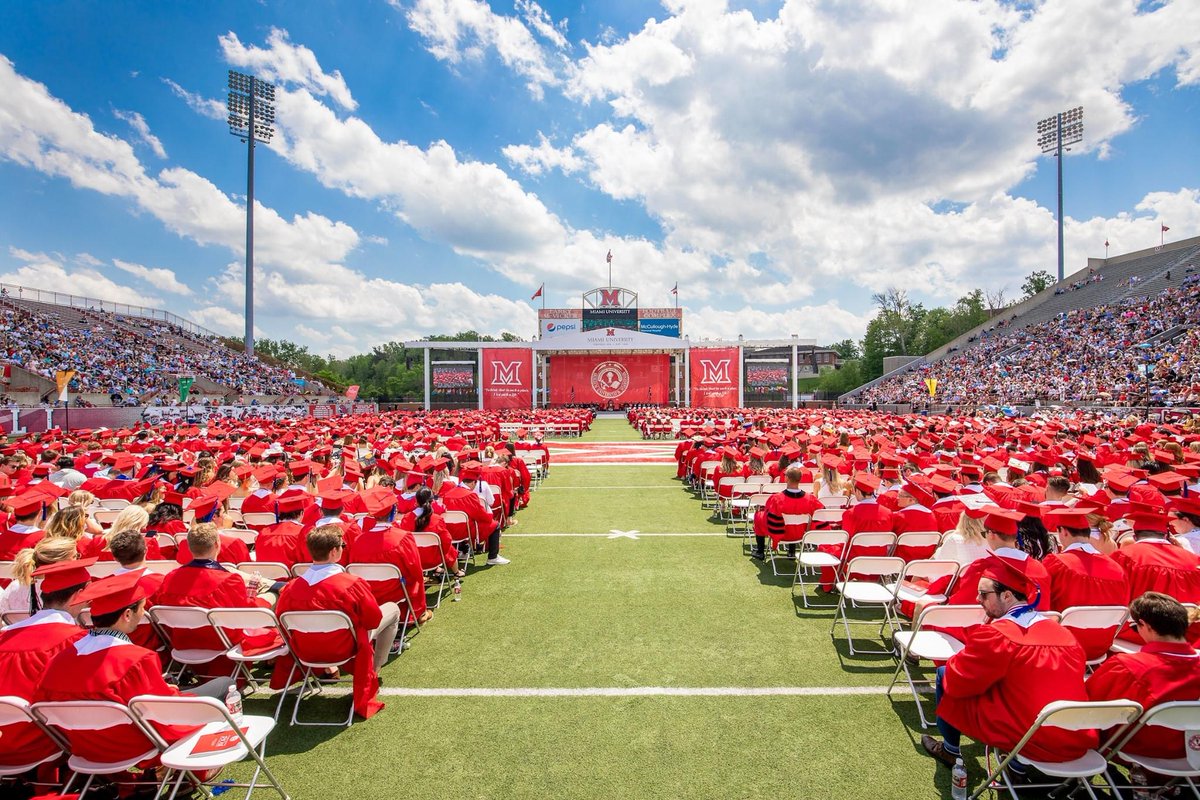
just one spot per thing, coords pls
(352, 392)
(538, 293)
(1165, 229)
(62, 379)
(931, 385)
(609, 258)
(675, 291)
(1106, 242)
(185, 388)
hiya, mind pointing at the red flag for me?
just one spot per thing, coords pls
(538, 293)
(609, 259)
(676, 289)
(352, 392)
(1106, 242)
(1165, 229)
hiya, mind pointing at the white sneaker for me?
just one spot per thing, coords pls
(497, 561)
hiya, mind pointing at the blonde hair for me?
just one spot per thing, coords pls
(82, 498)
(47, 551)
(970, 529)
(67, 523)
(131, 518)
(203, 538)
(439, 478)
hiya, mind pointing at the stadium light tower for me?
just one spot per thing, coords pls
(1055, 134)
(251, 107)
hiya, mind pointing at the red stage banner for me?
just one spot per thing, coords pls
(507, 378)
(715, 376)
(619, 379)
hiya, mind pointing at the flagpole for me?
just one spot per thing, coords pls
(543, 296)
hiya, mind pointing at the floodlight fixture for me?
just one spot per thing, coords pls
(251, 107)
(1054, 135)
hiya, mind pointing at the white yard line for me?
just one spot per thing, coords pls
(589, 488)
(624, 691)
(609, 535)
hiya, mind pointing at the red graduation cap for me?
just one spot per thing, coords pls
(470, 471)
(28, 504)
(1012, 573)
(329, 501)
(1148, 521)
(292, 502)
(1121, 481)
(1167, 481)
(866, 483)
(1186, 505)
(203, 506)
(1066, 518)
(1001, 520)
(64, 574)
(113, 593)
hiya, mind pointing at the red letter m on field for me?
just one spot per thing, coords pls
(506, 373)
(610, 298)
(714, 371)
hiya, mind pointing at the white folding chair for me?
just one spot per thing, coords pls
(235, 502)
(808, 556)
(244, 535)
(426, 540)
(924, 644)
(301, 567)
(835, 501)
(1095, 618)
(754, 503)
(739, 501)
(103, 569)
(315, 622)
(105, 517)
(462, 531)
(258, 519)
(383, 573)
(234, 515)
(247, 619)
(160, 567)
(15, 711)
(113, 503)
(169, 619)
(866, 589)
(828, 517)
(916, 540)
(271, 571)
(250, 732)
(772, 551)
(1072, 716)
(917, 575)
(1180, 715)
(76, 720)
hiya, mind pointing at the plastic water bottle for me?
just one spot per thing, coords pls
(253, 585)
(457, 591)
(233, 702)
(958, 781)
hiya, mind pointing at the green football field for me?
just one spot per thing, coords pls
(635, 662)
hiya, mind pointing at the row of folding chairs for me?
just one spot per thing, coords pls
(219, 740)
(908, 546)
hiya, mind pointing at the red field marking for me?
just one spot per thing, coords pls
(611, 453)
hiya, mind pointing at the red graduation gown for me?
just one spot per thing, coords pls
(388, 544)
(437, 525)
(996, 686)
(282, 542)
(26, 648)
(966, 592)
(914, 518)
(1082, 578)
(461, 499)
(107, 668)
(1155, 565)
(202, 587)
(350, 595)
(768, 521)
(946, 513)
(1161, 672)
(867, 516)
(233, 551)
(16, 538)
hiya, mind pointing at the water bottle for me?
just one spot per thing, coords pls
(958, 781)
(233, 702)
(457, 590)
(252, 586)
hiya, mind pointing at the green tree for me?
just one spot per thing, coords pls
(1037, 281)
(847, 349)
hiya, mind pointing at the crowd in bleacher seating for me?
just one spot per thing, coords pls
(127, 357)
(1032, 562)
(1097, 355)
(113, 541)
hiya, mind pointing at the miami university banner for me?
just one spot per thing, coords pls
(715, 376)
(610, 378)
(507, 378)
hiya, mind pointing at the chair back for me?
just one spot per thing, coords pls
(105, 517)
(103, 569)
(179, 711)
(930, 569)
(758, 479)
(160, 567)
(790, 520)
(954, 617)
(828, 515)
(270, 570)
(825, 538)
(315, 622)
(301, 567)
(258, 519)
(179, 617)
(917, 541)
(242, 618)
(6, 571)
(773, 488)
(113, 503)
(1099, 715)
(1178, 715)
(376, 573)
(1094, 617)
(835, 501)
(875, 566)
(84, 715)
(248, 537)
(165, 541)
(9, 617)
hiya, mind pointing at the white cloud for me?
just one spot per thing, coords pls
(53, 273)
(284, 61)
(142, 129)
(159, 278)
(543, 157)
(213, 109)
(458, 30)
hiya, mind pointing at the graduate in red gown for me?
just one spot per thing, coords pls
(128, 548)
(1153, 564)
(233, 549)
(913, 512)
(1081, 576)
(283, 542)
(994, 688)
(25, 528)
(866, 514)
(381, 542)
(1167, 668)
(106, 665)
(1000, 532)
(463, 498)
(26, 647)
(768, 521)
(326, 586)
(423, 517)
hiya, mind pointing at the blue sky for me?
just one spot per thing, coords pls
(438, 160)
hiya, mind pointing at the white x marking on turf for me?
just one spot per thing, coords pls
(623, 534)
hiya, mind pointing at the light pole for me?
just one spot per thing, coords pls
(1054, 135)
(251, 107)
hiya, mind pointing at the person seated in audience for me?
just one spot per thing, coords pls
(233, 549)
(23, 594)
(1166, 669)
(128, 548)
(132, 518)
(912, 513)
(1186, 524)
(1153, 564)
(464, 498)
(106, 665)
(24, 527)
(769, 522)
(966, 543)
(1000, 533)
(998, 684)
(26, 647)
(865, 514)
(381, 542)
(326, 586)
(424, 518)
(283, 542)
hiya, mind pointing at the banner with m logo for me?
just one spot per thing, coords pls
(507, 378)
(716, 373)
